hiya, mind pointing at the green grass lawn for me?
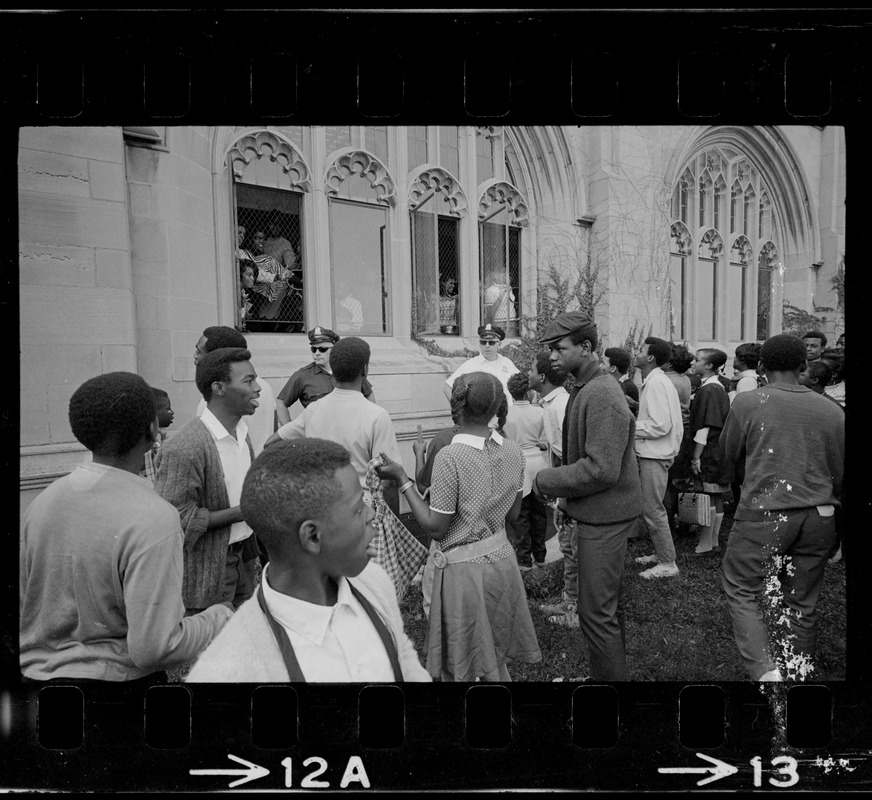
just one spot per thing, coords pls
(678, 629)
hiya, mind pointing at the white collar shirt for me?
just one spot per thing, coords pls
(476, 441)
(333, 644)
(712, 379)
(554, 404)
(235, 461)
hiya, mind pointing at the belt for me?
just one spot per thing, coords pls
(467, 552)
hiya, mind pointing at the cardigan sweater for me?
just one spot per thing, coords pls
(246, 650)
(599, 480)
(189, 475)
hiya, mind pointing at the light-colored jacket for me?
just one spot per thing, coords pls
(246, 650)
(659, 428)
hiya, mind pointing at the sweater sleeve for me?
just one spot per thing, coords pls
(180, 481)
(604, 430)
(159, 635)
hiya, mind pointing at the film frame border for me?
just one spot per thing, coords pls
(327, 87)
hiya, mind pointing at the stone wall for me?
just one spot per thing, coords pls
(75, 283)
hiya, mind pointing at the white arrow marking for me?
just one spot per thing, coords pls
(719, 770)
(251, 773)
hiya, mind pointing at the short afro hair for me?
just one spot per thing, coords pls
(159, 394)
(821, 370)
(478, 396)
(288, 483)
(681, 358)
(749, 354)
(220, 336)
(836, 360)
(717, 358)
(545, 366)
(349, 358)
(783, 352)
(619, 358)
(216, 365)
(518, 386)
(660, 349)
(110, 413)
(816, 335)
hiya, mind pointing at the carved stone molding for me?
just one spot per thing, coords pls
(490, 131)
(502, 192)
(713, 241)
(682, 237)
(437, 179)
(741, 252)
(768, 255)
(367, 167)
(266, 144)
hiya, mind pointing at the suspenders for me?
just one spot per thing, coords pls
(293, 666)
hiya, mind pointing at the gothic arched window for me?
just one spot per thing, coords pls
(715, 286)
(360, 192)
(767, 263)
(437, 204)
(269, 182)
(501, 215)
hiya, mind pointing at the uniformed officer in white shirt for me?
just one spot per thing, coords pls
(489, 339)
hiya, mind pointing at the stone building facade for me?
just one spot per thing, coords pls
(131, 241)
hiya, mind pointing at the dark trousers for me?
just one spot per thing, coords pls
(792, 550)
(601, 552)
(527, 532)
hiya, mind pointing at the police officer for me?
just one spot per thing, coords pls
(489, 360)
(315, 380)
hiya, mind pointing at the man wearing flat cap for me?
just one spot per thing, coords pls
(315, 380)
(598, 486)
(488, 360)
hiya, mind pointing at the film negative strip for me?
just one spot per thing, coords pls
(150, 69)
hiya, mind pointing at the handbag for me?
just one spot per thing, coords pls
(695, 508)
(398, 552)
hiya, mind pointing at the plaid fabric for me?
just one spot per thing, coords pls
(398, 552)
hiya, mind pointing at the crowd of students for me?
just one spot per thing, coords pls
(249, 550)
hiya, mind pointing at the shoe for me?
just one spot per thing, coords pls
(568, 620)
(554, 609)
(771, 675)
(525, 567)
(837, 556)
(700, 554)
(651, 559)
(539, 571)
(660, 571)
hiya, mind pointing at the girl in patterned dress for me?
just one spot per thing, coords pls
(479, 619)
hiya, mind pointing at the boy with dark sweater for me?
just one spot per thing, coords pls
(599, 486)
(792, 443)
